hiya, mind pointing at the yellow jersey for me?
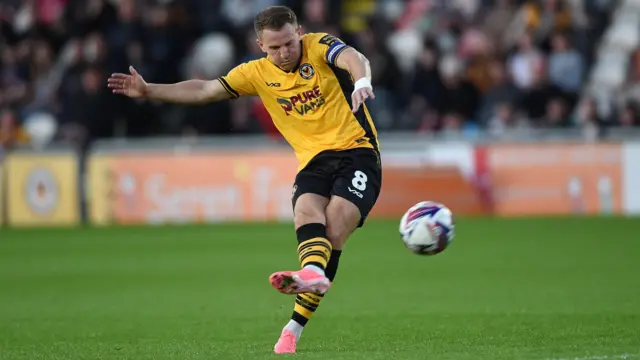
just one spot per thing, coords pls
(310, 105)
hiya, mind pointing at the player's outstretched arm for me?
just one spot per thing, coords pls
(185, 92)
(358, 66)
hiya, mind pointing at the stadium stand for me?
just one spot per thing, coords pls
(455, 67)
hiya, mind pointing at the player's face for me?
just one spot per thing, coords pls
(282, 46)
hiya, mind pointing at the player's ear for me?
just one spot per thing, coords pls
(260, 44)
(299, 30)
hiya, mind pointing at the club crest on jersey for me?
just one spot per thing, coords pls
(306, 71)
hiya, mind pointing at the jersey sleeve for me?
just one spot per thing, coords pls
(238, 81)
(328, 47)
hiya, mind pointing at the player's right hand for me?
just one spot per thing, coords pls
(132, 85)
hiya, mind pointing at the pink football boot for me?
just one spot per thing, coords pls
(286, 344)
(301, 281)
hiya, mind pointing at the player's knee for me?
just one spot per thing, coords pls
(338, 233)
(309, 210)
(308, 215)
(342, 219)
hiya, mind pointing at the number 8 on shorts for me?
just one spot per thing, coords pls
(359, 180)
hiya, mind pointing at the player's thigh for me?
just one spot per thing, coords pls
(343, 217)
(358, 182)
(311, 194)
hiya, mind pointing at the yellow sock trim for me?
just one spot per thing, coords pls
(303, 311)
(316, 250)
(306, 304)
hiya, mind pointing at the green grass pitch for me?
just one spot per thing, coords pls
(564, 288)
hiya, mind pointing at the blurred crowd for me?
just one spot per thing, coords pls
(443, 66)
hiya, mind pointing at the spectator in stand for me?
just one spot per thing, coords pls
(497, 20)
(545, 17)
(14, 84)
(502, 92)
(476, 49)
(557, 115)
(11, 133)
(535, 100)
(588, 120)
(566, 67)
(505, 118)
(525, 63)
(458, 95)
(425, 88)
(630, 115)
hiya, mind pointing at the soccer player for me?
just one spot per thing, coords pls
(314, 87)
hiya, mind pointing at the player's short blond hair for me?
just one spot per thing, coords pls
(274, 18)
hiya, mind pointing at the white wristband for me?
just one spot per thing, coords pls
(362, 83)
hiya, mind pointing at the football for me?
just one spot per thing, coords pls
(427, 228)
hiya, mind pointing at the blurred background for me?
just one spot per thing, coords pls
(457, 82)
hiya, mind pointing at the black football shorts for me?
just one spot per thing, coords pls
(355, 175)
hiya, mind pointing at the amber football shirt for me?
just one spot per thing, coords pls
(310, 105)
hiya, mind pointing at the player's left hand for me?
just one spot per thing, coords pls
(359, 96)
